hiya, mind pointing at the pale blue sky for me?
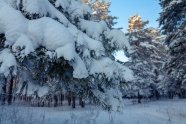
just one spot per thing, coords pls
(123, 9)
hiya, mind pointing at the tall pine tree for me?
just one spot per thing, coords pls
(147, 57)
(173, 22)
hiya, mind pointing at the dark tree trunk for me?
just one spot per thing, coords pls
(184, 93)
(80, 100)
(10, 90)
(170, 93)
(139, 97)
(62, 99)
(69, 100)
(73, 101)
(4, 92)
(42, 104)
(49, 101)
(82, 104)
(157, 95)
(55, 101)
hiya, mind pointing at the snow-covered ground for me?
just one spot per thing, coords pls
(154, 112)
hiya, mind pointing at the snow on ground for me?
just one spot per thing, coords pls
(154, 112)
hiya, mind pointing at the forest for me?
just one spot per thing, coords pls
(58, 56)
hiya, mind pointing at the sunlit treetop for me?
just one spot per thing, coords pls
(135, 22)
(101, 11)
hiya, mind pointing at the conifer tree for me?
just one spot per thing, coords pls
(147, 57)
(135, 22)
(172, 20)
(55, 46)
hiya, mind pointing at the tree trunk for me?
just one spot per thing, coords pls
(62, 99)
(157, 95)
(10, 90)
(82, 104)
(183, 93)
(4, 92)
(170, 93)
(139, 97)
(73, 101)
(80, 100)
(55, 101)
(69, 98)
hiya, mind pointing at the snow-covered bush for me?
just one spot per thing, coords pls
(56, 46)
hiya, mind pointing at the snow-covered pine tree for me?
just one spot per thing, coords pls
(173, 22)
(101, 11)
(55, 46)
(159, 60)
(147, 57)
(141, 64)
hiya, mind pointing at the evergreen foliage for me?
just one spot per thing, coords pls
(173, 22)
(56, 47)
(135, 22)
(147, 58)
(101, 11)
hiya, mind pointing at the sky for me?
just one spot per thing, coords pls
(124, 9)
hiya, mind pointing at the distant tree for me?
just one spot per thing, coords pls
(101, 11)
(135, 22)
(147, 58)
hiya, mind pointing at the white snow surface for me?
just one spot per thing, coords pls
(154, 112)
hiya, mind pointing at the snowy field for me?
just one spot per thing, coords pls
(154, 112)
